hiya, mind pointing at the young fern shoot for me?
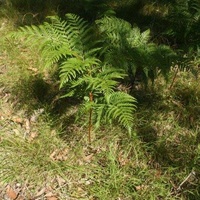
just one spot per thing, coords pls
(70, 43)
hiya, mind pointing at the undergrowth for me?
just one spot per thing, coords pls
(52, 151)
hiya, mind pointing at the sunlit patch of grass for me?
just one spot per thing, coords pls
(151, 164)
(22, 73)
(113, 166)
(21, 158)
(168, 123)
(187, 94)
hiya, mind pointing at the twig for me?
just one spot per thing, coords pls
(192, 174)
(90, 119)
(174, 78)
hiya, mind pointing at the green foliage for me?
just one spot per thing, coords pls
(129, 49)
(70, 43)
(184, 20)
(151, 165)
(116, 106)
(97, 8)
(90, 65)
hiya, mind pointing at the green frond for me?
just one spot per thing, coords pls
(130, 49)
(118, 106)
(105, 81)
(92, 52)
(73, 68)
(162, 57)
(81, 32)
(60, 39)
(70, 44)
(119, 32)
(136, 38)
(52, 38)
(116, 30)
(113, 25)
(117, 58)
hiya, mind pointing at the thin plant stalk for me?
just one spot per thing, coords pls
(90, 119)
(174, 78)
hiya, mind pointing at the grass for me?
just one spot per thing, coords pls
(52, 153)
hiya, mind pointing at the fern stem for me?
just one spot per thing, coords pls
(174, 78)
(90, 119)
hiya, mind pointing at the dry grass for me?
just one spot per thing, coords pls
(44, 153)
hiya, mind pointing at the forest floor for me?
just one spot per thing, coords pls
(45, 154)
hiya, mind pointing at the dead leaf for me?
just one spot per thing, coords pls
(17, 120)
(33, 69)
(32, 136)
(6, 97)
(60, 181)
(16, 131)
(141, 187)
(59, 154)
(36, 114)
(27, 125)
(88, 158)
(2, 89)
(122, 159)
(20, 198)
(11, 193)
(88, 182)
(53, 154)
(81, 192)
(53, 133)
(158, 174)
(40, 193)
(52, 198)
(33, 118)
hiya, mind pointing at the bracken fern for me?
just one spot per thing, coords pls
(130, 49)
(70, 43)
(116, 106)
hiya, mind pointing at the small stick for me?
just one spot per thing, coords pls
(185, 180)
(174, 78)
(90, 119)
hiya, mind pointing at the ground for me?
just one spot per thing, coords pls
(44, 149)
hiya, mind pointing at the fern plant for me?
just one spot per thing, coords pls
(130, 49)
(71, 44)
(183, 23)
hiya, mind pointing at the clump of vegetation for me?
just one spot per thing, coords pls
(68, 80)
